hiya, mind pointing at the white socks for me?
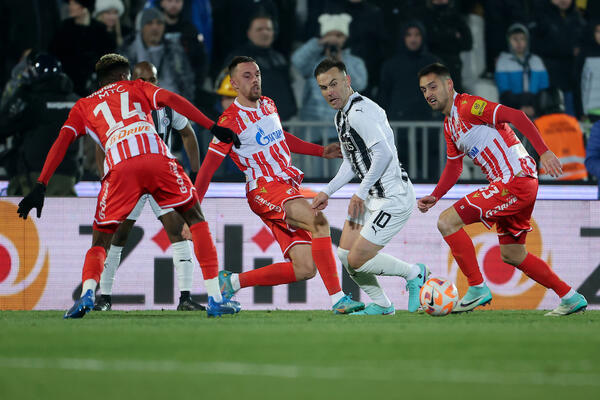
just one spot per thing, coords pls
(336, 297)
(384, 264)
(213, 289)
(89, 284)
(569, 294)
(366, 281)
(183, 260)
(107, 279)
(235, 282)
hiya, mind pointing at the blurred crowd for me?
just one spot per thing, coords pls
(540, 56)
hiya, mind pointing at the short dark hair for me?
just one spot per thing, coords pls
(238, 60)
(110, 67)
(436, 68)
(261, 14)
(329, 63)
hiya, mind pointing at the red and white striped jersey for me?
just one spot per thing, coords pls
(263, 151)
(471, 129)
(118, 118)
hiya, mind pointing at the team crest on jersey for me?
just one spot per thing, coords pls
(166, 121)
(270, 107)
(478, 107)
(264, 139)
(290, 191)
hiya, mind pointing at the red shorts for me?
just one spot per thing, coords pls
(508, 205)
(267, 202)
(156, 174)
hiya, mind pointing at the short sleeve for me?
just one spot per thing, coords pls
(75, 121)
(179, 121)
(368, 124)
(477, 110)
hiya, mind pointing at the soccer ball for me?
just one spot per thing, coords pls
(438, 297)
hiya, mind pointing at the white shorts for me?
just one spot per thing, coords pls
(137, 210)
(384, 218)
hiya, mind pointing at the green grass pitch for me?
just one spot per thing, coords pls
(299, 355)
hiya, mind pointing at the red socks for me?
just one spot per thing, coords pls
(463, 251)
(205, 250)
(323, 257)
(93, 264)
(538, 270)
(270, 275)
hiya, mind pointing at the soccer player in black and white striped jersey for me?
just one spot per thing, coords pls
(385, 198)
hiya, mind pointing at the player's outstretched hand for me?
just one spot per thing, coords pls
(551, 164)
(35, 199)
(320, 201)
(225, 135)
(425, 203)
(332, 150)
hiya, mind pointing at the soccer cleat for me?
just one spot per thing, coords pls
(104, 303)
(225, 284)
(187, 304)
(414, 288)
(346, 305)
(82, 306)
(574, 304)
(226, 306)
(475, 297)
(376, 309)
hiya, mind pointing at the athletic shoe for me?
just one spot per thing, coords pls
(475, 297)
(226, 306)
(225, 284)
(414, 287)
(188, 304)
(346, 305)
(574, 304)
(376, 309)
(82, 306)
(104, 303)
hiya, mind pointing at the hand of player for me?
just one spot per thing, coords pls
(185, 232)
(425, 203)
(35, 199)
(332, 150)
(356, 207)
(320, 201)
(551, 164)
(225, 135)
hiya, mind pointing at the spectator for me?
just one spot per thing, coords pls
(592, 153)
(34, 118)
(175, 72)
(400, 96)
(334, 33)
(555, 37)
(447, 35)
(520, 74)
(109, 13)
(79, 43)
(275, 69)
(588, 74)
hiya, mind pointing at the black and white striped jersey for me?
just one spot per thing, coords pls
(165, 120)
(360, 125)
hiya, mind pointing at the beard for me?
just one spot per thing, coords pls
(254, 95)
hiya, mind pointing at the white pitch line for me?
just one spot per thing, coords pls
(408, 374)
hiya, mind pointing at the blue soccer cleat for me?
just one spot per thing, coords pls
(346, 305)
(376, 309)
(82, 306)
(414, 287)
(574, 304)
(225, 284)
(226, 306)
(475, 297)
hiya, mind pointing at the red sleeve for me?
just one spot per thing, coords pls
(164, 98)
(520, 121)
(56, 154)
(477, 110)
(207, 170)
(299, 146)
(449, 177)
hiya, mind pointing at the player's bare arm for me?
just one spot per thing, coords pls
(190, 144)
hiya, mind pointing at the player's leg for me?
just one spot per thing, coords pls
(300, 214)
(182, 255)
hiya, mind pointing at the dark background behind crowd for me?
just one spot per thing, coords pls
(504, 50)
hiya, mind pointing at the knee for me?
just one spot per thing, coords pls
(304, 271)
(445, 225)
(320, 225)
(355, 259)
(513, 258)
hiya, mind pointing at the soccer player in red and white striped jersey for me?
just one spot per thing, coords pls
(479, 128)
(137, 161)
(273, 190)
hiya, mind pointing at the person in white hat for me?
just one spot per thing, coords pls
(108, 12)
